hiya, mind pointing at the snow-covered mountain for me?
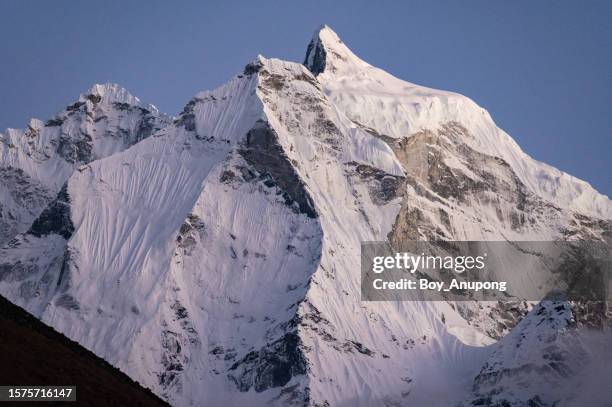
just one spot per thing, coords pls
(217, 261)
(36, 162)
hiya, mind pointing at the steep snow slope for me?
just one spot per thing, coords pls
(218, 260)
(37, 161)
(107, 287)
(348, 343)
(465, 180)
(395, 108)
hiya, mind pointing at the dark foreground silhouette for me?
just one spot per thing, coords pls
(32, 353)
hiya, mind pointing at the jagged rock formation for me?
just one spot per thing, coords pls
(217, 261)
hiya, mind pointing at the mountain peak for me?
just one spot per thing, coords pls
(109, 93)
(327, 53)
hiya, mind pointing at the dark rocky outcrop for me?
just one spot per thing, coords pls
(55, 218)
(26, 193)
(272, 366)
(23, 189)
(252, 68)
(187, 117)
(172, 360)
(262, 151)
(315, 57)
(76, 149)
(382, 186)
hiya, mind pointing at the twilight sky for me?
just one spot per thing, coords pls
(543, 69)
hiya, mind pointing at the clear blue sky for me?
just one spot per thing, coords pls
(542, 68)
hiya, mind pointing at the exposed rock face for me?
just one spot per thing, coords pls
(39, 261)
(55, 218)
(315, 57)
(77, 149)
(442, 168)
(262, 151)
(271, 366)
(382, 186)
(23, 199)
(187, 118)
